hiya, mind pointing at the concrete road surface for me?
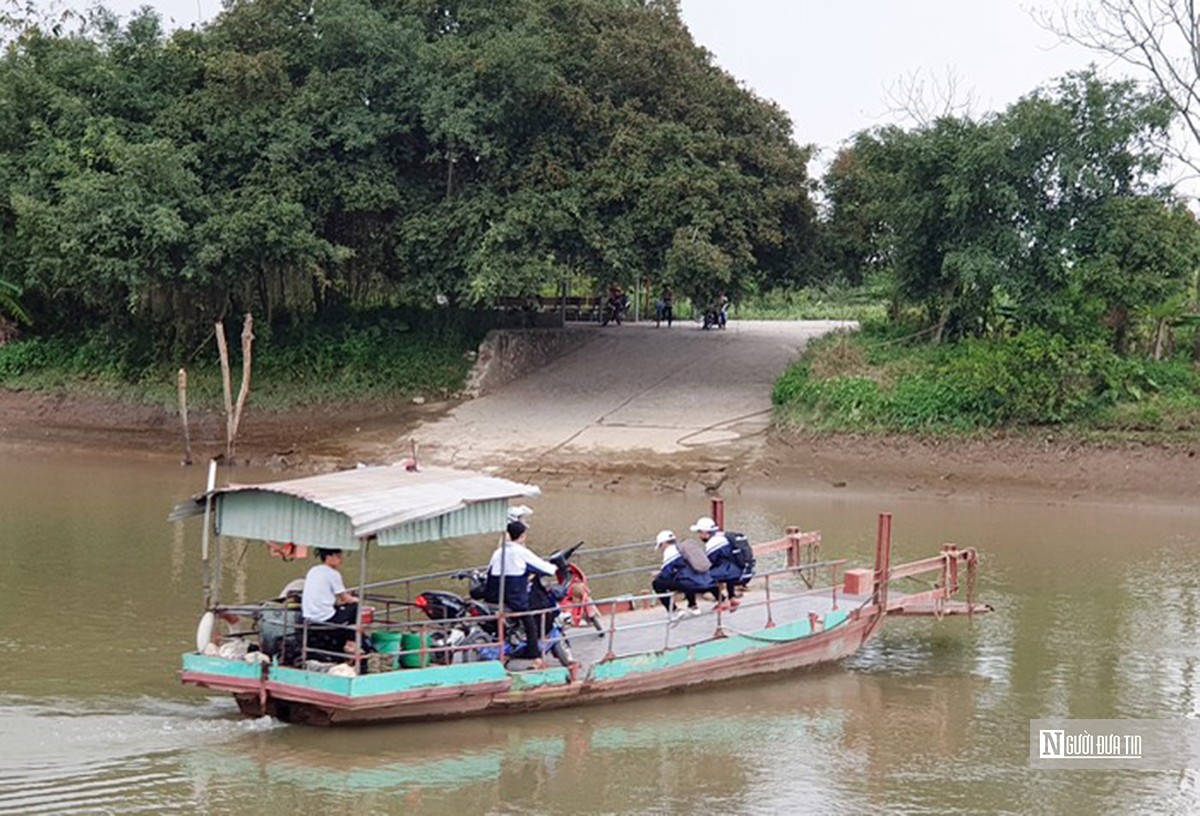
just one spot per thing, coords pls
(635, 392)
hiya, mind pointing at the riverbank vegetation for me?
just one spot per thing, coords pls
(1038, 274)
(370, 355)
(368, 179)
(876, 380)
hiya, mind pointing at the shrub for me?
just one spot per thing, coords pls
(20, 357)
(1033, 378)
(929, 401)
(359, 355)
(789, 387)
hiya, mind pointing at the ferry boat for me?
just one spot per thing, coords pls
(796, 611)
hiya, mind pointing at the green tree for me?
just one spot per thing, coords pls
(300, 160)
(1046, 214)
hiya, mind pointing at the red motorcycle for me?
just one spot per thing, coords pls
(574, 596)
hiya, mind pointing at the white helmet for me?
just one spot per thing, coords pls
(704, 524)
(665, 537)
(519, 512)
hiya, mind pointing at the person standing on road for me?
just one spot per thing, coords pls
(664, 307)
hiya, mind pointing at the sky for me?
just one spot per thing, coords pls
(835, 67)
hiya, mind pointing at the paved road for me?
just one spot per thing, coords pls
(634, 391)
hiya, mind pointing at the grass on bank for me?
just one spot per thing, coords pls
(378, 355)
(867, 303)
(878, 381)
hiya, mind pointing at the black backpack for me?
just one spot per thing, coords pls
(743, 553)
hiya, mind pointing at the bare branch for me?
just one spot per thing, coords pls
(923, 100)
(1159, 38)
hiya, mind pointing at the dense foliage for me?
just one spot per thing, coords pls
(1044, 216)
(1037, 274)
(367, 354)
(347, 167)
(294, 159)
(869, 381)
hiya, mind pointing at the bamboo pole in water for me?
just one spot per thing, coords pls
(223, 350)
(244, 390)
(183, 415)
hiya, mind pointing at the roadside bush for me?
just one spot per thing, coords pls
(1034, 378)
(813, 304)
(789, 387)
(829, 403)
(361, 355)
(929, 401)
(22, 356)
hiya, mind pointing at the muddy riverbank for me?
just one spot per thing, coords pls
(331, 437)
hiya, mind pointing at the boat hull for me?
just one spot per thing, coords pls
(486, 688)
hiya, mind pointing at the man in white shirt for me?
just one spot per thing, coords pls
(326, 601)
(514, 561)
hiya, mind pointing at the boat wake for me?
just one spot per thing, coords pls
(109, 755)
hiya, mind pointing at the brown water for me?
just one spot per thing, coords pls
(1097, 617)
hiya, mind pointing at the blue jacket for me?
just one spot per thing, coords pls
(724, 567)
(679, 575)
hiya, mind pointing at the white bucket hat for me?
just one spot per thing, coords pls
(704, 524)
(665, 537)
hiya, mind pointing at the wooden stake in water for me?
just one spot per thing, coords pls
(234, 417)
(183, 416)
(223, 351)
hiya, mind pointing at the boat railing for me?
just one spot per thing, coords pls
(441, 650)
(800, 548)
(771, 605)
(395, 613)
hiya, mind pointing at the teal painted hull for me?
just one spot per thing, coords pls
(487, 688)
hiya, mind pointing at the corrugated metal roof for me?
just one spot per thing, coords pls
(397, 505)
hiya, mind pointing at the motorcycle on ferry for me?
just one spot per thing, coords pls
(472, 621)
(575, 597)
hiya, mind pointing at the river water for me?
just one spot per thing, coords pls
(1097, 612)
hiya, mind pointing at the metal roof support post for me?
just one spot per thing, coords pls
(500, 614)
(216, 570)
(206, 567)
(362, 581)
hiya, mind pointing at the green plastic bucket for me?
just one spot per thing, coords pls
(411, 642)
(388, 643)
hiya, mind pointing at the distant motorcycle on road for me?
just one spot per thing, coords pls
(715, 316)
(615, 309)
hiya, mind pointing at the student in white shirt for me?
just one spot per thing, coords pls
(515, 562)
